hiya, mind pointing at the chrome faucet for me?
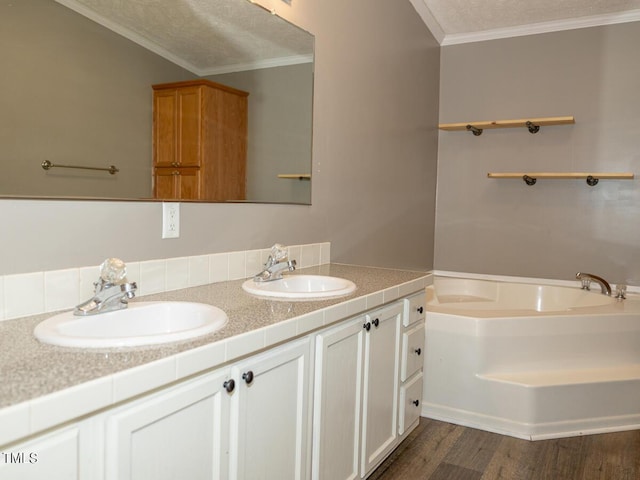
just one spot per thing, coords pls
(587, 278)
(276, 265)
(112, 291)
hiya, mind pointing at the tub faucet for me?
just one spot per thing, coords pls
(112, 290)
(587, 278)
(276, 265)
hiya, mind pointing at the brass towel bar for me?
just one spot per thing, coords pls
(47, 165)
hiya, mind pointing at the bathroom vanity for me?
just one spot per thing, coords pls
(293, 390)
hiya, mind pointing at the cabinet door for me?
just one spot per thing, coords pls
(177, 434)
(270, 415)
(337, 400)
(165, 128)
(381, 386)
(54, 455)
(177, 183)
(177, 127)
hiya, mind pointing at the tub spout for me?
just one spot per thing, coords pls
(587, 278)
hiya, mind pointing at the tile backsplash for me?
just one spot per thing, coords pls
(39, 292)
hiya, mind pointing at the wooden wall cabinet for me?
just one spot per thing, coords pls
(199, 141)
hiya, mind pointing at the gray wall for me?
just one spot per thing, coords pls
(374, 167)
(74, 93)
(557, 227)
(280, 130)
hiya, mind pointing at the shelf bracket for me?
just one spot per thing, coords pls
(591, 180)
(533, 128)
(476, 131)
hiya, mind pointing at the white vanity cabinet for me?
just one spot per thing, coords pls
(270, 415)
(246, 421)
(180, 432)
(58, 454)
(329, 405)
(356, 394)
(380, 386)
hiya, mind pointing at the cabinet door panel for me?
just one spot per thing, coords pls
(189, 126)
(337, 397)
(171, 436)
(55, 455)
(164, 183)
(165, 127)
(270, 415)
(189, 184)
(177, 183)
(381, 386)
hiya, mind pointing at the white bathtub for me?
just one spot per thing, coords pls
(531, 361)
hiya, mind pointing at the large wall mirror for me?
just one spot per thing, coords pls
(76, 90)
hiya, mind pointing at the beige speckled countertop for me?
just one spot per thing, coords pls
(30, 370)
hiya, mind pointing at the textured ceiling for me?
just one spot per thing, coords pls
(218, 36)
(454, 21)
(204, 36)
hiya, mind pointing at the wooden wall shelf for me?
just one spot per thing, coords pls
(591, 177)
(533, 124)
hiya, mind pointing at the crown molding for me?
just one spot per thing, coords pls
(543, 27)
(267, 63)
(428, 18)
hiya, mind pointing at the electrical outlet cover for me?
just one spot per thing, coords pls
(170, 220)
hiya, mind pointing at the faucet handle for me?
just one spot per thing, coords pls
(621, 291)
(586, 283)
(279, 252)
(113, 270)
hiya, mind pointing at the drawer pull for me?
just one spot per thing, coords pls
(418, 351)
(248, 377)
(420, 310)
(376, 322)
(229, 385)
(367, 326)
(416, 402)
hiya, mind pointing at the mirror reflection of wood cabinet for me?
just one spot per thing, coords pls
(179, 183)
(199, 141)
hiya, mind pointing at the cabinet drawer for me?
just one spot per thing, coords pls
(414, 308)
(412, 351)
(410, 402)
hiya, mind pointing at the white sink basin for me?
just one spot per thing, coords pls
(141, 323)
(301, 287)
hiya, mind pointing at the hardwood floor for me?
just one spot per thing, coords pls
(443, 451)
